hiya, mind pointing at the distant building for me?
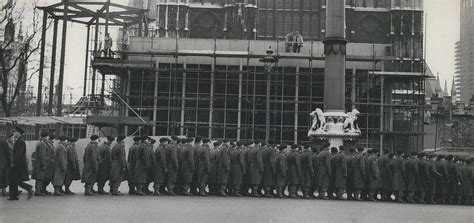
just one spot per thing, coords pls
(465, 53)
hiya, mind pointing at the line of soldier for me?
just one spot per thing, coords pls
(187, 166)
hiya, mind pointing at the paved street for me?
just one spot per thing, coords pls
(79, 208)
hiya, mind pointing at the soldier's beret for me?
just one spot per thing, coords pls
(421, 155)
(294, 146)
(206, 141)
(351, 150)
(247, 143)
(120, 138)
(52, 137)
(307, 145)
(72, 139)
(143, 138)
(175, 138)
(263, 143)
(44, 134)
(164, 139)
(197, 139)
(136, 138)
(405, 156)
(360, 149)
(62, 138)
(440, 157)
(271, 142)
(326, 144)
(110, 138)
(450, 157)
(239, 143)
(18, 129)
(152, 141)
(333, 150)
(226, 141)
(94, 137)
(376, 150)
(468, 161)
(282, 146)
(217, 143)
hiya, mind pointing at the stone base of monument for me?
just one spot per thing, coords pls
(337, 128)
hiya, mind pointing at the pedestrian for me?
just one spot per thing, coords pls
(18, 172)
(132, 161)
(5, 161)
(91, 166)
(60, 167)
(160, 167)
(142, 165)
(103, 174)
(118, 166)
(40, 163)
(171, 165)
(72, 171)
(268, 158)
(324, 174)
(256, 167)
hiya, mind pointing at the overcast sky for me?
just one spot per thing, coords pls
(442, 34)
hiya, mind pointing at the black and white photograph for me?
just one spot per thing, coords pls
(237, 111)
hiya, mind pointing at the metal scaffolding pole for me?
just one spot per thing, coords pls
(39, 101)
(86, 66)
(61, 65)
(53, 67)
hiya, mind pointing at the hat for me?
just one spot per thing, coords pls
(152, 141)
(360, 149)
(94, 137)
(18, 129)
(352, 150)
(143, 138)
(72, 139)
(110, 138)
(239, 143)
(282, 146)
(120, 138)
(136, 139)
(217, 143)
(62, 138)
(52, 137)
(271, 142)
(294, 146)
(174, 138)
(44, 134)
(164, 139)
(333, 150)
(197, 139)
(206, 141)
(226, 140)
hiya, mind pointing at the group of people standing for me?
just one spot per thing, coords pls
(195, 166)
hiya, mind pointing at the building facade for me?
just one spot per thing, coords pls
(465, 53)
(198, 71)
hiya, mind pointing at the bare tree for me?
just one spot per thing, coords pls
(17, 53)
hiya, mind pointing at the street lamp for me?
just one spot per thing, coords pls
(269, 62)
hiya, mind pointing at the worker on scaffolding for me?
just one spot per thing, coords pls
(108, 46)
(298, 42)
(289, 42)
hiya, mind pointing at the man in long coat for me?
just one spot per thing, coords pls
(160, 166)
(194, 186)
(350, 173)
(423, 177)
(442, 181)
(281, 171)
(314, 181)
(432, 180)
(39, 164)
(91, 165)
(385, 176)
(324, 173)
(256, 167)
(467, 177)
(105, 165)
(118, 166)
(5, 161)
(307, 171)
(340, 172)
(18, 172)
(142, 164)
(237, 169)
(132, 161)
(373, 174)
(151, 169)
(72, 171)
(204, 165)
(50, 164)
(453, 179)
(171, 165)
(187, 165)
(294, 171)
(412, 177)
(224, 168)
(358, 173)
(398, 171)
(60, 167)
(214, 165)
(268, 158)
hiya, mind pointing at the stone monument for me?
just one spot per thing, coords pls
(334, 125)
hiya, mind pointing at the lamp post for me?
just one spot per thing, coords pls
(269, 62)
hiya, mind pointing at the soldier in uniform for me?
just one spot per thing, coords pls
(72, 171)
(359, 173)
(467, 176)
(118, 166)
(160, 166)
(423, 178)
(307, 171)
(39, 166)
(442, 181)
(246, 178)
(151, 168)
(237, 169)
(453, 179)
(142, 165)
(350, 173)
(50, 165)
(324, 171)
(340, 172)
(204, 165)
(281, 171)
(60, 167)
(187, 165)
(373, 174)
(385, 176)
(256, 167)
(214, 165)
(268, 158)
(91, 165)
(171, 165)
(224, 168)
(294, 171)
(412, 177)
(132, 161)
(195, 181)
(433, 176)
(398, 171)
(103, 174)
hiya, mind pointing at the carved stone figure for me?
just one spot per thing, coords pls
(319, 121)
(350, 124)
